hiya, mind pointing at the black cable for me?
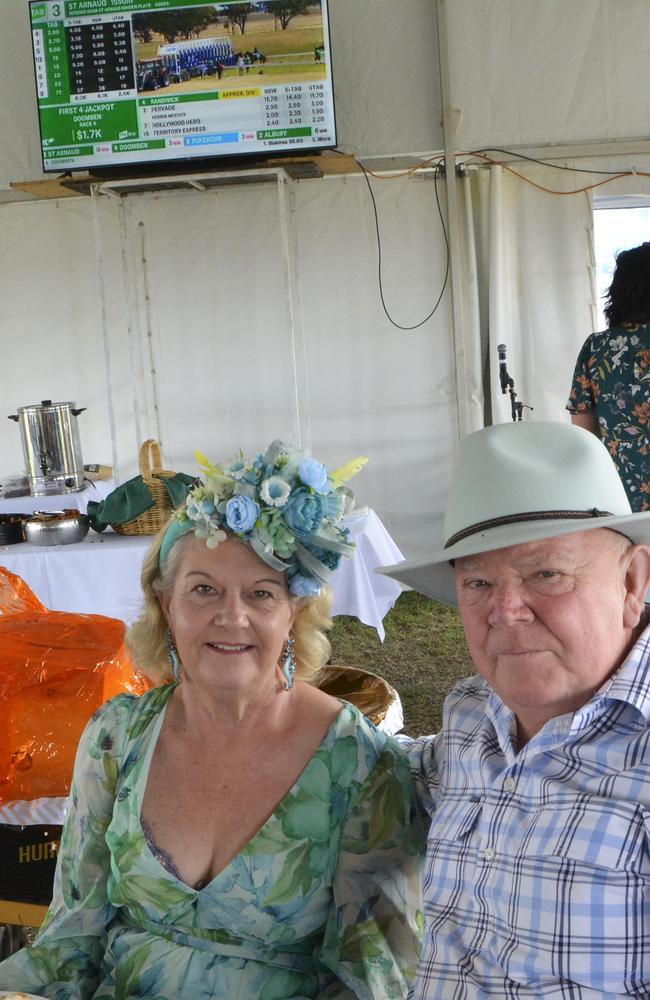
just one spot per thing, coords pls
(544, 163)
(439, 169)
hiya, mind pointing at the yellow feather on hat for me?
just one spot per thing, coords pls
(347, 471)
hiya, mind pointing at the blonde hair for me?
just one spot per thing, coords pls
(147, 642)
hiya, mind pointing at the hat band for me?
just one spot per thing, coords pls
(534, 515)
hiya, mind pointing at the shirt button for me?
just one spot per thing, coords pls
(510, 784)
(488, 854)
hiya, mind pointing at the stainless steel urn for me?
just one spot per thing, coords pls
(51, 446)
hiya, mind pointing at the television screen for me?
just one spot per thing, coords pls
(132, 82)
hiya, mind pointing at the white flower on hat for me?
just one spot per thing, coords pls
(275, 491)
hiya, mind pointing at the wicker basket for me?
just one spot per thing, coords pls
(371, 694)
(151, 470)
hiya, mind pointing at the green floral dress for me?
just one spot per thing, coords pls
(612, 378)
(322, 903)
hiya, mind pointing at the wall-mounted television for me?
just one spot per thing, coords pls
(126, 83)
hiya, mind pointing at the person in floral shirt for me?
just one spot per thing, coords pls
(610, 394)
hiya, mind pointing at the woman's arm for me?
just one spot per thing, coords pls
(64, 960)
(373, 935)
(583, 397)
(586, 419)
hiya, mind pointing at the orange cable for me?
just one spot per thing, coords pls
(402, 173)
(587, 187)
(501, 163)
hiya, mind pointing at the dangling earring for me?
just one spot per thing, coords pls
(172, 655)
(289, 664)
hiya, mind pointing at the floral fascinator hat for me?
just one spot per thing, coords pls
(284, 504)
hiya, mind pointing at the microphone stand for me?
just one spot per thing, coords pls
(508, 385)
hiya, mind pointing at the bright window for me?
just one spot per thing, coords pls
(615, 229)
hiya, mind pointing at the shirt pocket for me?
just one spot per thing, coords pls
(598, 833)
(448, 849)
(576, 896)
(455, 818)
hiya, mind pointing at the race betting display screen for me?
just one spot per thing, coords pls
(123, 82)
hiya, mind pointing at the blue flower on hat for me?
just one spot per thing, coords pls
(329, 559)
(303, 512)
(283, 502)
(236, 468)
(304, 586)
(313, 473)
(241, 514)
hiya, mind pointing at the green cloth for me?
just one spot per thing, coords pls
(133, 498)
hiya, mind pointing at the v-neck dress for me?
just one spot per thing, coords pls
(323, 902)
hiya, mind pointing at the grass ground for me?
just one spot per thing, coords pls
(423, 655)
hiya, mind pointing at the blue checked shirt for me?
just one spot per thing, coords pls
(537, 880)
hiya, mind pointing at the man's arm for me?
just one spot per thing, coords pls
(424, 754)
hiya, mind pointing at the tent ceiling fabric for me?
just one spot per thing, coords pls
(529, 73)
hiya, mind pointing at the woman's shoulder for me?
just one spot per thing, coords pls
(117, 723)
(595, 343)
(351, 720)
(375, 748)
(615, 337)
(125, 709)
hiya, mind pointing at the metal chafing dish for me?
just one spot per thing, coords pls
(56, 527)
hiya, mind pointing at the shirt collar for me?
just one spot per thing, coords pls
(629, 684)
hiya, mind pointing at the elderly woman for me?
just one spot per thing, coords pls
(236, 833)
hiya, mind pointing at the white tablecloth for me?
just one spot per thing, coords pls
(358, 590)
(101, 575)
(58, 501)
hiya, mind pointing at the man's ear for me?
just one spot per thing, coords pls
(637, 581)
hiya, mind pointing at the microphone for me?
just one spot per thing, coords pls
(504, 378)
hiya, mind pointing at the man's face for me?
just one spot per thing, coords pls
(547, 622)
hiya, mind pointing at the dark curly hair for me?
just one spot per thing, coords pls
(628, 296)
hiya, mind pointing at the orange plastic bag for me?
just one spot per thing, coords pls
(56, 669)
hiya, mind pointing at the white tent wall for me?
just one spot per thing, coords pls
(532, 254)
(167, 315)
(385, 392)
(206, 311)
(363, 387)
(51, 331)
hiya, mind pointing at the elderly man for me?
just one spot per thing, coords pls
(538, 863)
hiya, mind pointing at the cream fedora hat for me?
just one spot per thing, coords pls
(520, 482)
